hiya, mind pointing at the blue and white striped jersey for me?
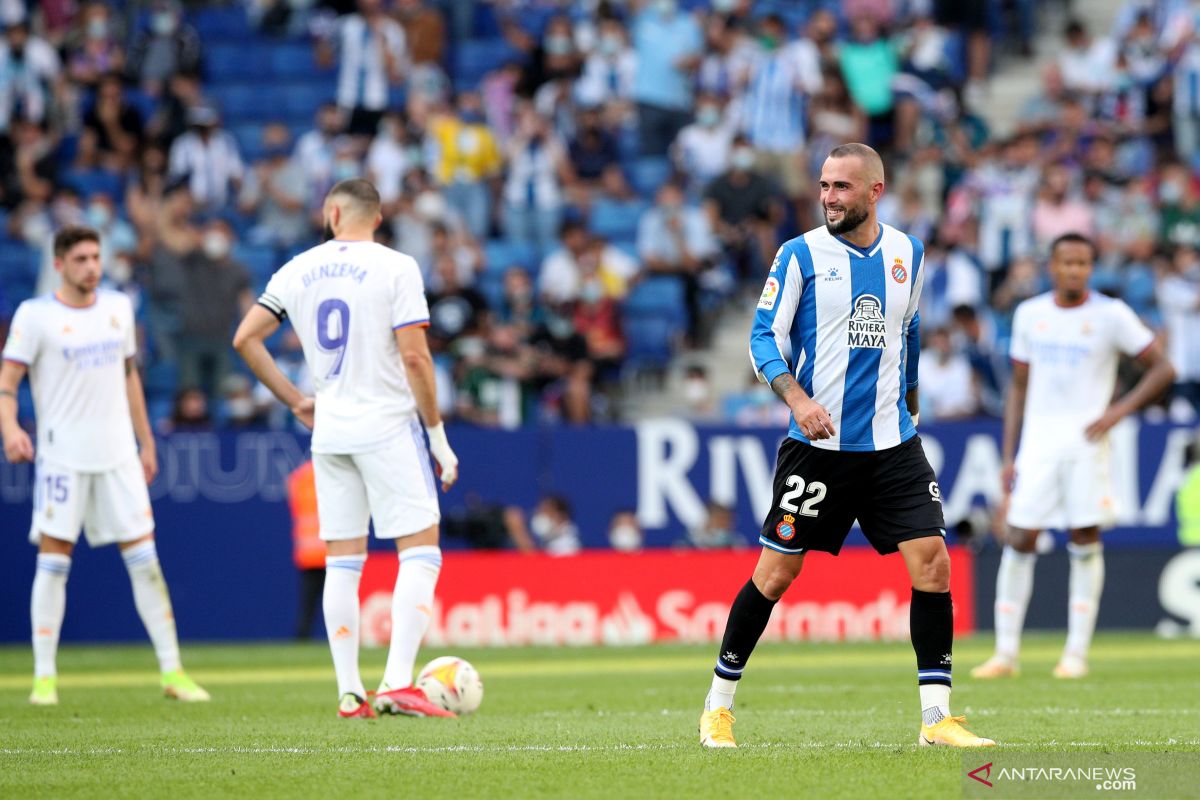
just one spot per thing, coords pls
(843, 320)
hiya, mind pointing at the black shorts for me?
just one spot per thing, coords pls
(892, 493)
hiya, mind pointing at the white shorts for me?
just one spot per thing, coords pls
(111, 506)
(393, 486)
(1067, 491)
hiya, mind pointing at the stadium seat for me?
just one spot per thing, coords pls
(616, 220)
(260, 260)
(302, 98)
(291, 60)
(491, 286)
(659, 296)
(231, 61)
(648, 173)
(89, 182)
(500, 254)
(18, 261)
(243, 102)
(222, 24)
(249, 139)
(477, 57)
(649, 341)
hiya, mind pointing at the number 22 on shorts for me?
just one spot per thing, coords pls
(809, 508)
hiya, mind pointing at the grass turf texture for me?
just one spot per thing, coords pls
(815, 720)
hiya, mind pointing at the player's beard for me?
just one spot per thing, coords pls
(851, 219)
(327, 233)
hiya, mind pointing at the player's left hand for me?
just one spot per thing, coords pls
(1102, 426)
(149, 459)
(439, 447)
(304, 410)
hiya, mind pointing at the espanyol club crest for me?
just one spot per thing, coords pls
(899, 273)
(787, 528)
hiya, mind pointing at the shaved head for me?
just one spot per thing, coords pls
(872, 164)
(357, 198)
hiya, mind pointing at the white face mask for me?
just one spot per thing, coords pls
(743, 159)
(99, 215)
(120, 271)
(666, 7)
(695, 391)
(240, 407)
(625, 538)
(541, 525)
(216, 245)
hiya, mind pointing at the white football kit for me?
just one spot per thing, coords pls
(345, 299)
(1062, 479)
(87, 469)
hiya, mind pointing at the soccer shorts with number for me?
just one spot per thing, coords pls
(393, 486)
(110, 506)
(819, 493)
(1068, 490)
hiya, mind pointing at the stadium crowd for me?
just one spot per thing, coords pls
(588, 183)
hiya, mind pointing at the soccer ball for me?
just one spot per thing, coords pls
(452, 683)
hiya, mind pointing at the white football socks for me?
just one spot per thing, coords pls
(1086, 586)
(153, 602)
(721, 693)
(340, 604)
(1014, 585)
(47, 605)
(412, 608)
(935, 702)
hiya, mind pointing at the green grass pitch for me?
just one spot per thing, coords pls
(814, 720)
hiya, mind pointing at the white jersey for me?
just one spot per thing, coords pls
(76, 360)
(345, 299)
(1072, 355)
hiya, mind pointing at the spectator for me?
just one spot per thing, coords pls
(1004, 188)
(593, 150)
(117, 237)
(976, 342)
(698, 392)
(552, 58)
(276, 194)
(388, 160)
(625, 533)
(561, 272)
(190, 412)
(218, 294)
(1179, 299)
(421, 210)
(499, 90)
(608, 74)
(1184, 41)
(833, 119)
(28, 167)
(96, 50)
(948, 389)
(716, 532)
(1088, 65)
(175, 239)
(518, 305)
(1056, 211)
(170, 121)
(315, 151)
(168, 48)
(669, 46)
(144, 191)
(467, 161)
(553, 527)
(456, 310)
(425, 35)
(562, 373)
(597, 319)
(1179, 206)
(30, 77)
(702, 149)
(491, 390)
(779, 84)
(744, 208)
(207, 156)
(869, 62)
(372, 56)
(677, 239)
(538, 170)
(112, 129)
(726, 58)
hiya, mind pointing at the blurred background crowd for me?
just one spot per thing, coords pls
(595, 188)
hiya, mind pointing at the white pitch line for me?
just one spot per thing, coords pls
(533, 748)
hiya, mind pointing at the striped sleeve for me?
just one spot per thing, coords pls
(771, 331)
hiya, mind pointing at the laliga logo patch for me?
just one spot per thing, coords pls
(787, 528)
(769, 293)
(899, 273)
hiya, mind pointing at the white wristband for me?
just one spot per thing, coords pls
(437, 436)
(916, 418)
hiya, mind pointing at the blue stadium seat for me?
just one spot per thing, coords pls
(648, 173)
(500, 254)
(18, 262)
(614, 220)
(491, 286)
(89, 182)
(222, 24)
(477, 57)
(649, 341)
(261, 260)
(244, 102)
(291, 60)
(249, 139)
(659, 296)
(301, 98)
(231, 61)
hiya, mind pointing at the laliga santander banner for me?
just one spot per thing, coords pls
(603, 597)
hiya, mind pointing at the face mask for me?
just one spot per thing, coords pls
(708, 116)
(695, 391)
(430, 206)
(99, 215)
(743, 159)
(240, 407)
(625, 538)
(610, 45)
(592, 292)
(120, 270)
(97, 29)
(559, 327)
(344, 170)
(768, 41)
(666, 7)
(216, 245)
(1171, 192)
(558, 45)
(162, 23)
(541, 525)
(723, 6)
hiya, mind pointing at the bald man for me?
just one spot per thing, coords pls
(836, 336)
(359, 310)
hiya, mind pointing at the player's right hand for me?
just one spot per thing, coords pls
(439, 447)
(18, 447)
(814, 421)
(303, 411)
(1008, 475)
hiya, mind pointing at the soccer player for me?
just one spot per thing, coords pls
(836, 336)
(95, 453)
(1066, 344)
(359, 309)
